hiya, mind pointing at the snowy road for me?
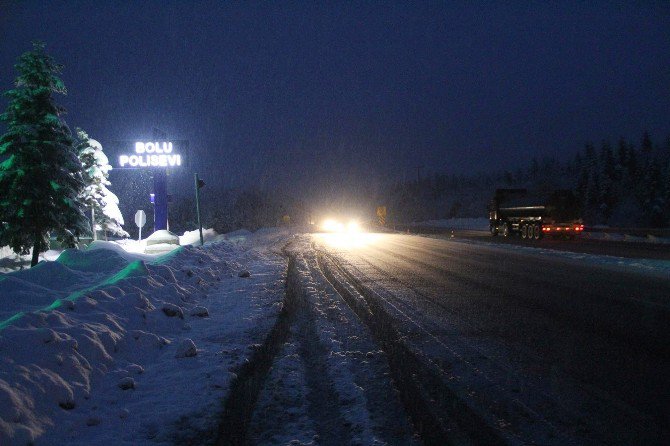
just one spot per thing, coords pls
(364, 339)
(539, 347)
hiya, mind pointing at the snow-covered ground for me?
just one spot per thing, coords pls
(330, 383)
(112, 346)
(108, 346)
(10, 261)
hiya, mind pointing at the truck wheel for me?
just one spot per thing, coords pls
(505, 230)
(494, 230)
(524, 231)
(537, 232)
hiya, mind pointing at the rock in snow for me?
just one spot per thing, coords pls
(127, 383)
(172, 310)
(244, 273)
(93, 421)
(200, 311)
(186, 349)
(135, 369)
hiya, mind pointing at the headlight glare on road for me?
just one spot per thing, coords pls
(331, 225)
(353, 227)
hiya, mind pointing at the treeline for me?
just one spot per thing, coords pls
(232, 209)
(621, 184)
(625, 185)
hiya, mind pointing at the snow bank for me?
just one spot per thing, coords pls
(127, 340)
(121, 247)
(72, 273)
(193, 237)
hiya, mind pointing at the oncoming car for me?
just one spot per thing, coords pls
(336, 226)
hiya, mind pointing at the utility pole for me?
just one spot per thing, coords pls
(160, 191)
(418, 173)
(198, 184)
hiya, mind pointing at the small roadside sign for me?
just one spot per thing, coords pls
(140, 221)
(381, 214)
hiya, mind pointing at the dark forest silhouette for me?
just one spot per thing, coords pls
(617, 184)
(621, 184)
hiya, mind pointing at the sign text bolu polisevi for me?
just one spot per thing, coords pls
(151, 154)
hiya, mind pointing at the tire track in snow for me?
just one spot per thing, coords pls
(323, 406)
(439, 414)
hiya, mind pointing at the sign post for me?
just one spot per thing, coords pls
(140, 221)
(160, 200)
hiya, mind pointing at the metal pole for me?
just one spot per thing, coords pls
(418, 174)
(160, 191)
(197, 206)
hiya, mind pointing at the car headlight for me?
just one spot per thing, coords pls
(331, 225)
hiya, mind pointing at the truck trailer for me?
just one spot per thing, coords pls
(535, 215)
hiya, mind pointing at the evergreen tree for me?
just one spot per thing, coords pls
(647, 146)
(666, 193)
(621, 157)
(103, 203)
(40, 178)
(608, 193)
(632, 161)
(585, 173)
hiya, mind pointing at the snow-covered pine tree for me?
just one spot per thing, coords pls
(103, 203)
(40, 178)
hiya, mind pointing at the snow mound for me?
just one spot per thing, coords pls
(17, 294)
(193, 237)
(92, 366)
(119, 247)
(162, 237)
(239, 233)
(100, 256)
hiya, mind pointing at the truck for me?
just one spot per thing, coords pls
(535, 215)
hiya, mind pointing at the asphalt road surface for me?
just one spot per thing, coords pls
(582, 244)
(557, 351)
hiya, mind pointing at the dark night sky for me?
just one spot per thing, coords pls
(356, 88)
